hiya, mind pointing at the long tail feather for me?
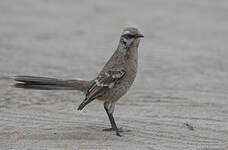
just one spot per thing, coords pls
(38, 80)
(42, 87)
(44, 83)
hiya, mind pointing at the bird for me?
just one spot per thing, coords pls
(113, 81)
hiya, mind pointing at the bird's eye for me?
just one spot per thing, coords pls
(128, 36)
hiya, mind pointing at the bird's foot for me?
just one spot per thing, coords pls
(113, 129)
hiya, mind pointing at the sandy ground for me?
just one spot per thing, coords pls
(182, 79)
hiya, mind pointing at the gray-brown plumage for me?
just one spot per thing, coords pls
(113, 81)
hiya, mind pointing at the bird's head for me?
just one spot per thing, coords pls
(130, 35)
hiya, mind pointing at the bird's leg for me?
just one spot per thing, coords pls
(109, 108)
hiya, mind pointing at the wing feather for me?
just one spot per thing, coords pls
(102, 83)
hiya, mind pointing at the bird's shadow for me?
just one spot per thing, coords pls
(71, 133)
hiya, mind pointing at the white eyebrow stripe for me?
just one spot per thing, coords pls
(126, 32)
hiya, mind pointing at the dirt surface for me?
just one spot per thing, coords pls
(179, 99)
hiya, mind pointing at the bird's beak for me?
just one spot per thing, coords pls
(140, 35)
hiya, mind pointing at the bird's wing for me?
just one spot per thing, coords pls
(105, 81)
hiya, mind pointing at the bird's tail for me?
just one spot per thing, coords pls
(44, 83)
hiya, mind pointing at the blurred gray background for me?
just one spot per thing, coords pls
(182, 78)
